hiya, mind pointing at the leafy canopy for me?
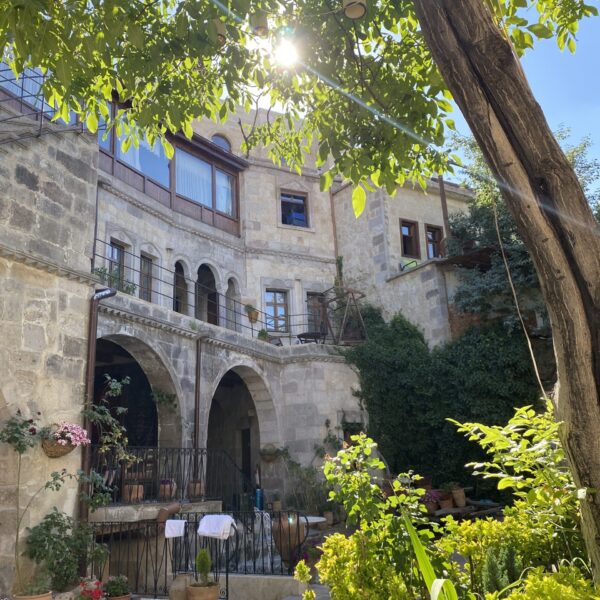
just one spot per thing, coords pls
(366, 92)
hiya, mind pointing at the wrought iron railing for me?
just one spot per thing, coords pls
(327, 322)
(174, 475)
(262, 543)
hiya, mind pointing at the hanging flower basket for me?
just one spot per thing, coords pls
(55, 450)
(60, 439)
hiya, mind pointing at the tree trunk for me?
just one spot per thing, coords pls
(542, 192)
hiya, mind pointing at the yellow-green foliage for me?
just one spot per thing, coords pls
(355, 569)
(567, 583)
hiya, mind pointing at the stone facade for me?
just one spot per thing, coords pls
(418, 287)
(60, 209)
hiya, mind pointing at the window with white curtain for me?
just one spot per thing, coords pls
(224, 192)
(193, 178)
(151, 161)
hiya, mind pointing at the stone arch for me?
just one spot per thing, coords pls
(160, 376)
(261, 394)
(216, 273)
(207, 296)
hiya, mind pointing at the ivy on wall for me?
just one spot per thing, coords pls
(410, 391)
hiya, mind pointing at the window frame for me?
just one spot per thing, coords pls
(276, 316)
(145, 259)
(219, 159)
(289, 192)
(440, 230)
(119, 247)
(310, 315)
(417, 241)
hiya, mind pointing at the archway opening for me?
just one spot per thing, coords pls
(207, 299)
(140, 420)
(180, 289)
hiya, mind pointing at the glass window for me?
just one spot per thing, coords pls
(276, 305)
(116, 265)
(151, 161)
(224, 192)
(316, 312)
(146, 265)
(193, 178)
(221, 141)
(434, 241)
(293, 209)
(410, 239)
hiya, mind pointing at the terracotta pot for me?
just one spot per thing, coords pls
(195, 489)
(459, 497)
(124, 597)
(289, 533)
(431, 506)
(446, 502)
(354, 9)
(166, 491)
(276, 505)
(133, 492)
(44, 596)
(328, 514)
(252, 316)
(197, 592)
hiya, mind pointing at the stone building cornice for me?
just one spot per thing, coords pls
(37, 262)
(282, 356)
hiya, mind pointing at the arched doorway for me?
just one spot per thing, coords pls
(207, 299)
(180, 290)
(140, 420)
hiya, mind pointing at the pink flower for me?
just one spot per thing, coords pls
(70, 433)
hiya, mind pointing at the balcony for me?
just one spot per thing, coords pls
(334, 319)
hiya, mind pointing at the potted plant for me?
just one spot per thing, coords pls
(89, 589)
(117, 588)
(251, 312)
(276, 502)
(446, 500)
(431, 500)
(60, 439)
(37, 589)
(202, 589)
(132, 491)
(263, 335)
(458, 494)
(166, 489)
(195, 489)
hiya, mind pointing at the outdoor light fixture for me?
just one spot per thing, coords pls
(221, 32)
(259, 24)
(355, 9)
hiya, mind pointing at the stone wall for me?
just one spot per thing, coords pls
(371, 249)
(47, 205)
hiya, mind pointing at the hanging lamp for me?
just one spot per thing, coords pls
(259, 24)
(354, 9)
(221, 31)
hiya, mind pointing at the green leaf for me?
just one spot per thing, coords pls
(359, 200)
(91, 122)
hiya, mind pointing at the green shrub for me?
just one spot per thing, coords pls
(62, 545)
(203, 565)
(567, 583)
(409, 391)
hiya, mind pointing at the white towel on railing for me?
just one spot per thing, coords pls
(216, 526)
(175, 528)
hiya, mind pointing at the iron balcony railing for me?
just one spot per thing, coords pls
(174, 475)
(262, 543)
(327, 322)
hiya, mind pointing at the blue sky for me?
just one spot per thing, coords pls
(566, 85)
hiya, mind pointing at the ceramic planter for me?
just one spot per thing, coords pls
(195, 490)
(198, 592)
(446, 502)
(133, 492)
(44, 596)
(276, 506)
(166, 491)
(252, 315)
(458, 495)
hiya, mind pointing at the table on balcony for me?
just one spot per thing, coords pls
(312, 337)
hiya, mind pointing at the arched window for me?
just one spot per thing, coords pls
(179, 289)
(221, 141)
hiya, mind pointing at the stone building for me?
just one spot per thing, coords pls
(189, 244)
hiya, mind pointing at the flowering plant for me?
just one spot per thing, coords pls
(312, 551)
(432, 496)
(67, 433)
(116, 586)
(20, 433)
(90, 589)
